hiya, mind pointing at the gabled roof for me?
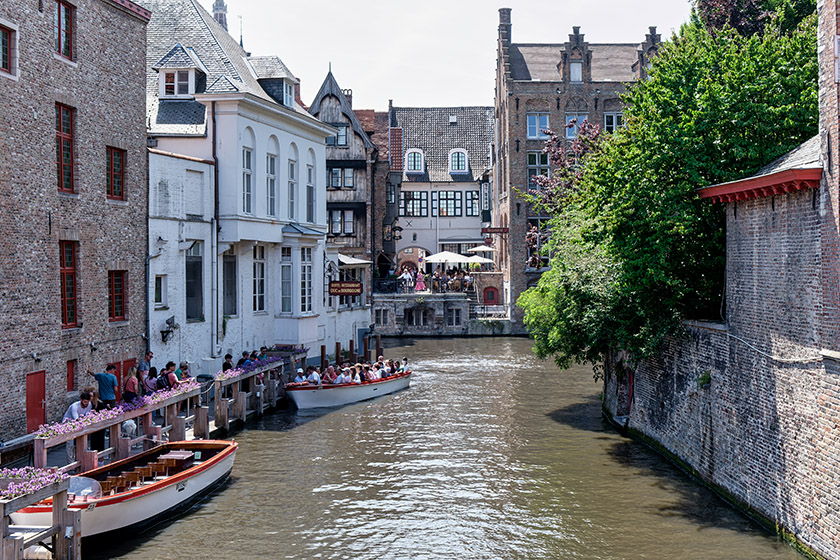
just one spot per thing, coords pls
(270, 67)
(180, 57)
(430, 130)
(225, 62)
(798, 169)
(610, 62)
(330, 87)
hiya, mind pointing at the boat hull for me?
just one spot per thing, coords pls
(142, 505)
(324, 396)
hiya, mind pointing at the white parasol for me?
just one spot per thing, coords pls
(447, 257)
(482, 249)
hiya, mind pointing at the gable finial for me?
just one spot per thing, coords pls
(241, 43)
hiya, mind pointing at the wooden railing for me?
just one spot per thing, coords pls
(65, 533)
(174, 425)
(256, 398)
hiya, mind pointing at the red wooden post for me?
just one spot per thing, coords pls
(338, 352)
(366, 342)
(323, 357)
(352, 351)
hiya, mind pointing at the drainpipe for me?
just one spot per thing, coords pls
(214, 244)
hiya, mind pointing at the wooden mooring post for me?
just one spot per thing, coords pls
(366, 343)
(323, 357)
(352, 351)
(378, 346)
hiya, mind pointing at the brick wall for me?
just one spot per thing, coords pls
(105, 86)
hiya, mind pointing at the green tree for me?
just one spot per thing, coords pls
(634, 251)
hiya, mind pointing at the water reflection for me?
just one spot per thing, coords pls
(490, 454)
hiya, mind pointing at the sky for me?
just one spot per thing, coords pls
(435, 53)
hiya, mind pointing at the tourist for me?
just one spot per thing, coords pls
(420, 285)
(107, 386)
(143, 368)
(300, 378)
(329, 375)
(78, 408)
(228, 363)
(131, 388)
(314, 377)
(340, 379)
(354, 377)
(243, 359)
(150, 383)
(183, 371)
(263, 353)
(96, 439)
(170, 376)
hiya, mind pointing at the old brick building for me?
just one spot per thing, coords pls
(751, 404)
(74, 196)
(548, 86)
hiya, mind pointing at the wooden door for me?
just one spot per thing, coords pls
(36, 400)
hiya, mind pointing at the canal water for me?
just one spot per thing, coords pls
(490, 454)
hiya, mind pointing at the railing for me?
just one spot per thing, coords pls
(489, 311)
(174, 425)
(256, 398)
(389, 286)
(65, 531)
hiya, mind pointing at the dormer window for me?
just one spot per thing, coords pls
(414, 161)
(288, 94)
(177, 83)
(576, 72)
(458, 161)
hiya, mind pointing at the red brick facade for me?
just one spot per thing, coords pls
(103, 84)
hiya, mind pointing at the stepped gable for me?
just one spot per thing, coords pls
(429, 129)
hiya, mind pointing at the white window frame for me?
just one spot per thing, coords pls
(539, 166)
(576, 71)
(572, 131)
(292, 189)
(466, 161)
(306, 279)
(537, 122)
(288, 94)
(271, 185)
(178, 76)
(13, 73)
(259, 279)
(409, 158)
(247, 180)
(163, 302)
(310, 194)
(285, 280)
(617, 121)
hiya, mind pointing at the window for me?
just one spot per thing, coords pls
(71, 375)
(306, 280)
(537, 165)
(183, 83)
(64, 29)
(472, 203)
(449, 203)
(8, 48)
(542, 225)
(391, 194)
(310, 194)
(286, 279)
(271, 184)
(348, 178)
(380, 317)
(453, 317)
(115, 164)
(414, 204)
(349, 228)
(414, 161)
(64, 147)
(613, 121)
(259, 278)
(335, 222)
(288, 94)
(177, 83)
(576, 72)
(194, 283)
(292, 188)
(229, 278)
(342, 178)
(160, 292)
(458, 162)
(341, 137)
(67, 254)
(335, 178)
(573, 123)
(117, 308)
(414, 317)
(537, 123)
(247, 154)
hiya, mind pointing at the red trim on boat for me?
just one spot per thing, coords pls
(331, 386)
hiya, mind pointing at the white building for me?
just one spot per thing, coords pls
(237, 196)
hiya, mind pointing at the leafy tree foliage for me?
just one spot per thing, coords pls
(750, 16)
(634, 251)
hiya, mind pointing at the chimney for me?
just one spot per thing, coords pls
(297, 96)
(220, 13)
(348, 93)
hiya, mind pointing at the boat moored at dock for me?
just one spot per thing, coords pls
(326, 395)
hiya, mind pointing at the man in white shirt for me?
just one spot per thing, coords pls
(299, 378)
(340, 378)
(314, 377)
(78, 408)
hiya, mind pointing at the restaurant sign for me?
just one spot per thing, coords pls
(346, 288)
(494, 230)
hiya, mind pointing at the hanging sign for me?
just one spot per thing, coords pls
(346, 288)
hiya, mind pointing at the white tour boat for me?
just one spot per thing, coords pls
(142, 488)
(327, 395)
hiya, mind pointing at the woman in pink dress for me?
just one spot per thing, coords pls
(420, 286)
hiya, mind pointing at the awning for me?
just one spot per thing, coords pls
(351, 261)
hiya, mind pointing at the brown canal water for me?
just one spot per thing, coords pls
(490, 454)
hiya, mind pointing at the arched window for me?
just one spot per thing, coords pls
(414, 161)
(271, 157)
(458, 161)
(248, 143)
(293, 181)
(311, 213)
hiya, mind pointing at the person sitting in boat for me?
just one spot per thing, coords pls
(339, 378)
(300, 378)
(329, 375)
(314, 377)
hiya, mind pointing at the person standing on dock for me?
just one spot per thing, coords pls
(107, 386)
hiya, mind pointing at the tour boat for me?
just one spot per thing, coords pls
(141, 489)
(325, 395)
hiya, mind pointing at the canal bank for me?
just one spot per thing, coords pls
(490, 454)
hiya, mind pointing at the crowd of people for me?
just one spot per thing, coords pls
(440, 281)
(339, 374)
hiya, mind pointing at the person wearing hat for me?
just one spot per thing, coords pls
(299, 378)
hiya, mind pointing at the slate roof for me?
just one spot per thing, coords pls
(187, 23)
(180, 57)
(807, 156)
(429, 129)
(270, 67)
(610, 62)
(330, 87)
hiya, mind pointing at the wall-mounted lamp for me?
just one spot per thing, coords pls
(36, 357)
(93, 347)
